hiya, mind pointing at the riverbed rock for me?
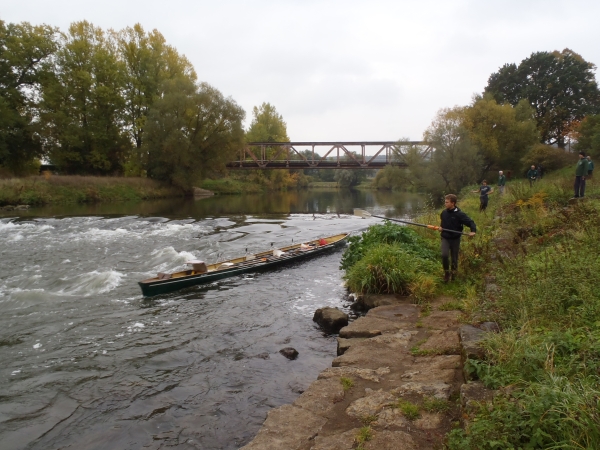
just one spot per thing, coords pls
(289, 352)
(8, 208)
(330, 319)
(21, 207)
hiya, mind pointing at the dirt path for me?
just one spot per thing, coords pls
(395, 386)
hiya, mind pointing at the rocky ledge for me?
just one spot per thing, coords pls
(396, 384)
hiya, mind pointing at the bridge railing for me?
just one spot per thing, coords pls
(290, 155)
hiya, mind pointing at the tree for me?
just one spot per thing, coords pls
(149, 61)
(455, 162)
(560, 86)
(190, 130)
(267, 125)
(588, 135)
(502, 133)
(24, 54)
(82, 109)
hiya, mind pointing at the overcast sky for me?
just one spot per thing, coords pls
(343, 69)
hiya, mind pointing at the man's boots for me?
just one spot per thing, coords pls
(447, 276)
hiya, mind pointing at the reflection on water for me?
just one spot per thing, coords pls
(86, 362)
(305, 202)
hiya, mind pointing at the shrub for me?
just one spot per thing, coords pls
(386, 233)
(387, 269)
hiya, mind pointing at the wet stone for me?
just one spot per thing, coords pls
(289, 352)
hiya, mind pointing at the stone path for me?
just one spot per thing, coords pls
(394, 385)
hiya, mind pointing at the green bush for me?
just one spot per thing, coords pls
(386, 233)
(387, 269)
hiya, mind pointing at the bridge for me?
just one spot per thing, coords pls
(301, 155)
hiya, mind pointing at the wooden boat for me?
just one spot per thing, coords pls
(202, 273)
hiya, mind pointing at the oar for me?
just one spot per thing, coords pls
(363, 213)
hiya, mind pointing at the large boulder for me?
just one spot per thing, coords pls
(330, 319)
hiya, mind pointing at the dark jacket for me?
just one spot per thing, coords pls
(581, 169)
(532, 174)
(455, 219)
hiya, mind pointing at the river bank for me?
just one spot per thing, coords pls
(531, 271)
(63, 189)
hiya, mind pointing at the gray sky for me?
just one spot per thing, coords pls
(344, 69)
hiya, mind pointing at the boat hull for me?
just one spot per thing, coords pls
(163, 286)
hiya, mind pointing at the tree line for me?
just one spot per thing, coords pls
(527, 114)
(109, 103)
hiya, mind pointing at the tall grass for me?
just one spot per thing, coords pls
(547, 358)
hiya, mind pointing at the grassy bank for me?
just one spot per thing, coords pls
(230, 186)
(78, 189)
(540, 255)
(533, 268)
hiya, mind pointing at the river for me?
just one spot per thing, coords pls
(86, 362)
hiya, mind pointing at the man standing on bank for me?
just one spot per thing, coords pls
(501, 181)
(483, 190)
(581, 171)
(452, 218)
(532, 175)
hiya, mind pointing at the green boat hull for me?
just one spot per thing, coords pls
(157, 287)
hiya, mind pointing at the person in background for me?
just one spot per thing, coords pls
(539, 172)
(532, 175)
(581, 171)
(501, 181)
(590, 167)
(483, 190)
(452, 219)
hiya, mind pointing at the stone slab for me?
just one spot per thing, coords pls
(321, 396)
(287, 427)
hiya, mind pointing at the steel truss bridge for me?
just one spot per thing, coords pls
(302, 155)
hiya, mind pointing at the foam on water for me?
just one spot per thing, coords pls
(94, 282)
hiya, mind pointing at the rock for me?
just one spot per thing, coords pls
(442, 342)
(470, 339)
(377, 351)
(369, 301)
(8, 208)
(351, 372)
(391, 417)
(370, 405)
(22, 207)
(330, 319)
(287, 427)
(435, 389)
(475, 392)
(428, 421)
(345, 344)
(443, 368)
(490, 327)
(199, 192)
(289, 352)
(321, 396)
(343, 441)
(390, 440)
